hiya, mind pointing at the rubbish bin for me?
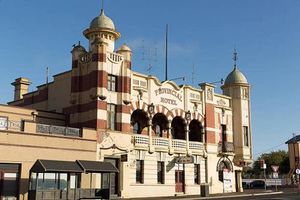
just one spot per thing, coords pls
(204, 189)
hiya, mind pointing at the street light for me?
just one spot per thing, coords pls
(188, 116)
(151, 108)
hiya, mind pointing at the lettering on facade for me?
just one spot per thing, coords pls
(168, 101)
(221, 102)
(171, 92)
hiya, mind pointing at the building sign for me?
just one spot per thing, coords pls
(184, 160)
(227, 178)
(3, 123)
(124, 158)
(172, 92)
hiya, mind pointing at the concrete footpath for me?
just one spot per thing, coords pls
(246, 193)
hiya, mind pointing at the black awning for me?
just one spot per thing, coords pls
(42, 166)
(96, 166)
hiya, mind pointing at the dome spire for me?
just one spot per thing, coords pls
(102, 5)
(234, 58)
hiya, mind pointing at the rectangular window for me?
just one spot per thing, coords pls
(197, 173)
(111, 116)
(111, 83)
(160, 172)
(246, 136)
(139, 171)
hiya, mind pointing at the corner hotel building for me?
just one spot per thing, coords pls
(161, 139)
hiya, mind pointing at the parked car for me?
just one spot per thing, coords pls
(257, 184)
(245, 185)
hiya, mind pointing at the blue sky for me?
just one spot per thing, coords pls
(35, 34)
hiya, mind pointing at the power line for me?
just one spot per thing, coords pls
(270, 149)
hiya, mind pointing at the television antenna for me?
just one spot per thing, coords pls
(149, 56)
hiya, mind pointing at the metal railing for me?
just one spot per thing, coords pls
(226, 147)
(59, 130)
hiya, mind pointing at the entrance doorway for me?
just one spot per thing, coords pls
(114, 177)
(9, 181)
(179, 181)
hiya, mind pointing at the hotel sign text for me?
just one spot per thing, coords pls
(172, 92)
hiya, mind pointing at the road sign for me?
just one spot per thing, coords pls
(264, 166)
(275, 168)
(297, 171)
(275, 175)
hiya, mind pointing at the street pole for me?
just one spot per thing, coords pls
(265, 176)
(275, 184)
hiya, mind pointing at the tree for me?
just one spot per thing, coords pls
(279, 158)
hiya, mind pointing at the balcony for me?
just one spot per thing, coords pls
(160, 144)
(225, 147)
(141, 142)
(196, 146)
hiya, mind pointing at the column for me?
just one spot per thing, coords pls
(150, 134)
(171, 150)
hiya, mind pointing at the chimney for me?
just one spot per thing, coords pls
(21, 87)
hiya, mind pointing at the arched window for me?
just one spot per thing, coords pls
(196, 131)
(157, 130)
(136, 128)
(160, 124)
(178, 128)
(139, 121)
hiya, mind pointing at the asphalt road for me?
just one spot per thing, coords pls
(286, 194)
(283, 196)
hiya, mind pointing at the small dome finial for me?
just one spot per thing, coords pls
(102, 6)
(235, 57)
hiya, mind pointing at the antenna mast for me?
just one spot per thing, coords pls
(166, 66)
(47, 74)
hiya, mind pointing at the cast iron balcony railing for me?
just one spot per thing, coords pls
(225, 147)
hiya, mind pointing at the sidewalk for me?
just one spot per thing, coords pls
(246, 193)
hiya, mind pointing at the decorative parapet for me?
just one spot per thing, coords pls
(59, 130)
(10, 125)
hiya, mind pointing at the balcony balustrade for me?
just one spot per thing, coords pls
(164, 144)
(196, 146)
(160, 143)
(226, 147)
(140, 141)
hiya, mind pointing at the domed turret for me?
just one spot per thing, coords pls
(124, 47)
(235, 77)
(102, 21)
(102, 30)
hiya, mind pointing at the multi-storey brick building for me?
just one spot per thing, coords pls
(164, 139)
